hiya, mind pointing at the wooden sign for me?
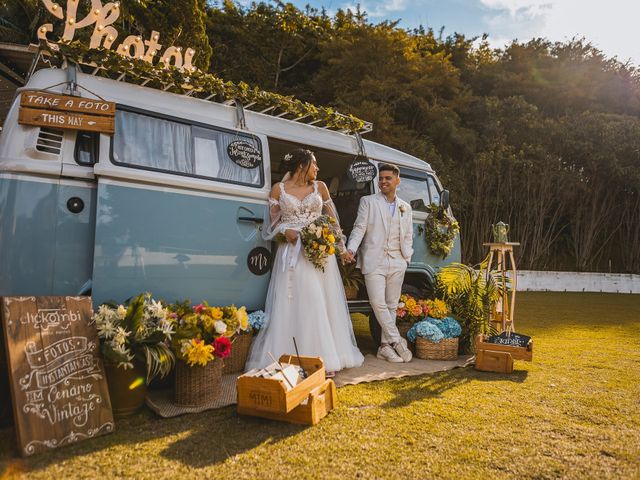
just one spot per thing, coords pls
(69, 121)
(65, 103)
(44, 109)
(57, 380)
(362, 170)
(513, 339)
(244, 154)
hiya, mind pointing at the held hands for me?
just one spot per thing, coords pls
(348, 257)
(291, 235)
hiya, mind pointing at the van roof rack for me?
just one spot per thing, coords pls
(201, 85)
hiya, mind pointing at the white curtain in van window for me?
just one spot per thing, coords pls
(153, 142)
(212, 158)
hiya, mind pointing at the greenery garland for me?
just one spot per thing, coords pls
(201, 84)
(440, 230)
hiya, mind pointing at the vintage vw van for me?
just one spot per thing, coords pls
(159, 206)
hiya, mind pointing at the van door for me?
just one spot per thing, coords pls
(177, 217)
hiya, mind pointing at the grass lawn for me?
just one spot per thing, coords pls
(572, 413)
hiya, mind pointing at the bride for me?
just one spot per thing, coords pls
(302, 301)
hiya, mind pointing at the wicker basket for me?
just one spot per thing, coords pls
(239, 353)
(197, 386)
(446, 349)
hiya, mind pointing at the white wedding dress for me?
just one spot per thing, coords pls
(302, 301)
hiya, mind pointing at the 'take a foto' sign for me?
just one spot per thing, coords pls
(44, 109)
(58, 386)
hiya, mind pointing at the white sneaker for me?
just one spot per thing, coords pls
(402, 350)
(386, 352)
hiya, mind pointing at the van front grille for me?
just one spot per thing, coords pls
(50, 140)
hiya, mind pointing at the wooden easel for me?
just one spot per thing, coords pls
(502, 252)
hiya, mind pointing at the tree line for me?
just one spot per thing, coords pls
(542, 135)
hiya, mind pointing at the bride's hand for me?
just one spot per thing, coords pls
(291, 235)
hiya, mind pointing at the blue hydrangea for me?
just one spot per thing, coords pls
(258, 319)
(425, 329)
(450, 327)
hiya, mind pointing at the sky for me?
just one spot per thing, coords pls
(610, 25)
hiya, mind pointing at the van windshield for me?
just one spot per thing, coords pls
(170, 146)
(418, 188)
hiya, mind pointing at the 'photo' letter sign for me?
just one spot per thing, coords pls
(58, 386)
(104, 34)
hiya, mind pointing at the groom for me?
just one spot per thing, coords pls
(384, 233)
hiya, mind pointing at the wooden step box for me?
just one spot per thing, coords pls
(492, 357)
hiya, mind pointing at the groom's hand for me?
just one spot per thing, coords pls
(348, 257)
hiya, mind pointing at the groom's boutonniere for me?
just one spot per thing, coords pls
(402, 210)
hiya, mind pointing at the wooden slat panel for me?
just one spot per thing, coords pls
(65, 120)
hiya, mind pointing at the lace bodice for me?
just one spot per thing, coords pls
(296, 213)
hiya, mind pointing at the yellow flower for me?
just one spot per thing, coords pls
(410, 303)
(216, 313)
(243, 317)
(331, 250)
(331, 238)
(198, 353)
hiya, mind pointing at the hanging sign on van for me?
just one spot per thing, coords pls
(44, 109)
(244, 154)
(362, 170)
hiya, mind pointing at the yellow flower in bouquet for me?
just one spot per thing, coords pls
(319, 240)
(410, 302)
(196, 352)
(215, 312)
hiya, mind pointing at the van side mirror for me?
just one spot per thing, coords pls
(444, 199)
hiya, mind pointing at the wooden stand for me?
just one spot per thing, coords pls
(502, 252)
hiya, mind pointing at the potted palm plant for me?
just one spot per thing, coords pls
(352, 279)
(470, 293)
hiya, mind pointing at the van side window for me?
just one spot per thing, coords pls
(86, 151)
(433, 190)
(413, 189)
(172, 146)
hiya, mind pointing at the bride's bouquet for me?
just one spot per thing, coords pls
(320, 240)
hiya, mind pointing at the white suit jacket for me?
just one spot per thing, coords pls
(370, 231)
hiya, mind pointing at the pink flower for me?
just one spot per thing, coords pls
(199, 308)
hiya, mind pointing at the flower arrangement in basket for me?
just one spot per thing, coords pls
(139, 331)
(409, 311)
(201, 342)
(319, 240)
(133, 338)
(436, 337)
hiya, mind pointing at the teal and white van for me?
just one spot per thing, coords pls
(160, 206)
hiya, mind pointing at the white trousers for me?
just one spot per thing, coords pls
(384, 286)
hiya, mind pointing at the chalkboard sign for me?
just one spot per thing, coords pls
(57, 380)
(514, 339)
(362, 170)
(244, 154)
(259, 261)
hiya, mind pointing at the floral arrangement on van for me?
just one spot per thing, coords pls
(319, 240)
(140, 330)
(204, 333)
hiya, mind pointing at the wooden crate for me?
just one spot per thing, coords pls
(492, 361)
(270, 395)
(320, 402)
(517, 353)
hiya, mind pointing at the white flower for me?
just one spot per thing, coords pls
(121, 336)
(106, 329)
(220, 327)
(156, 309)
(184, 347)
(165, 327)
(121, 312)
(105, 311)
